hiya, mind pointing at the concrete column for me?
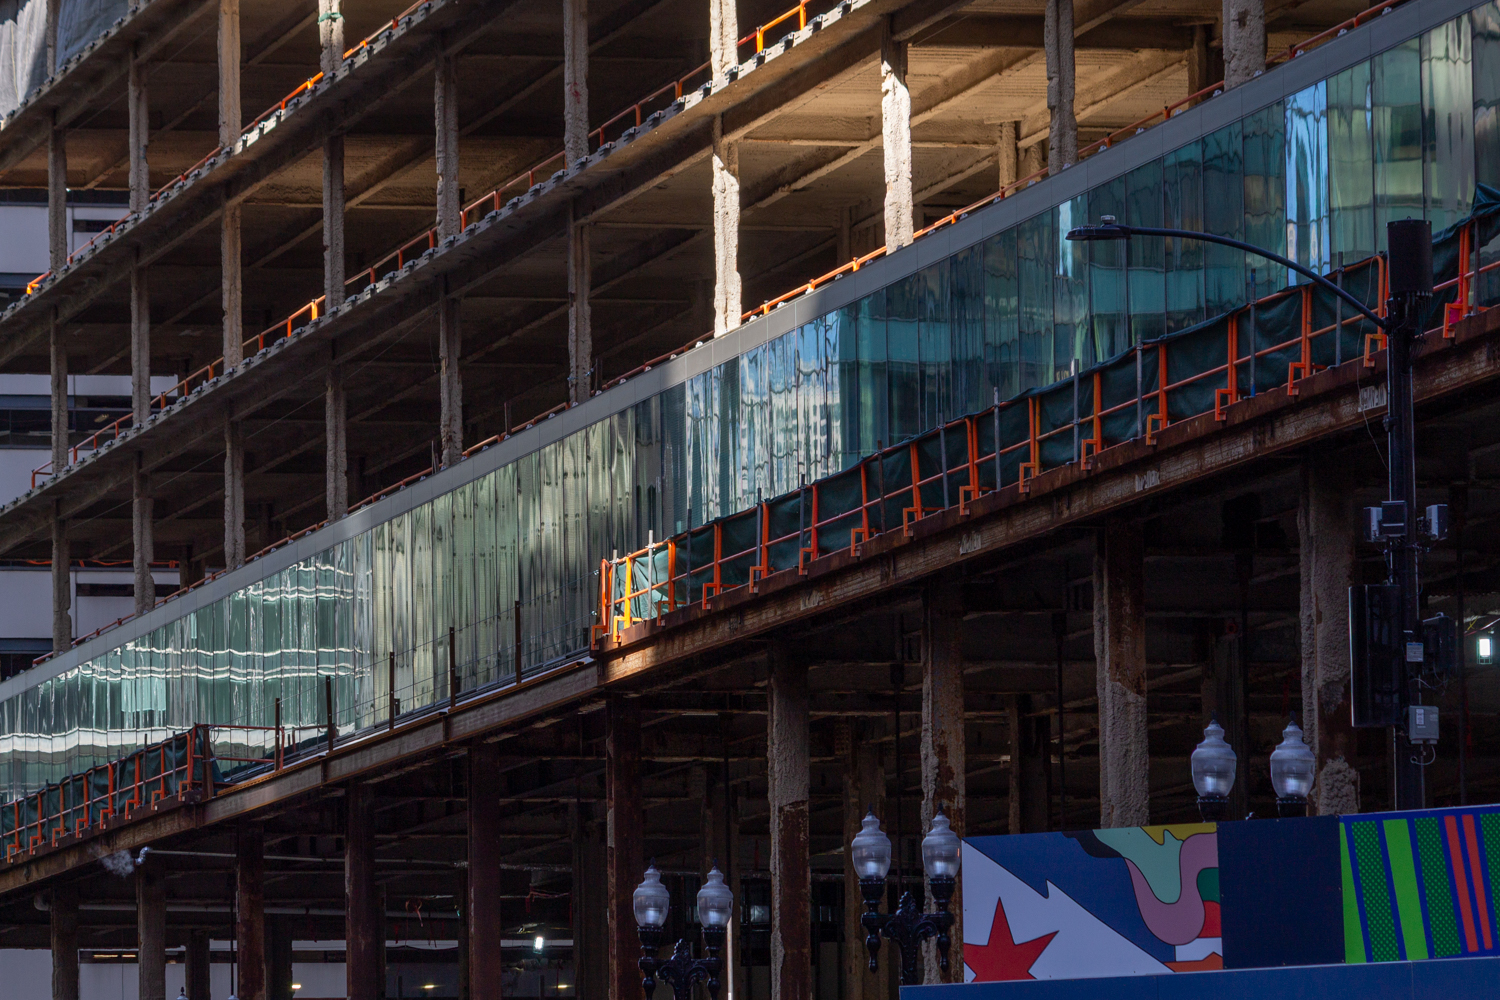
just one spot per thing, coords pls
(625, 837)
(723, 37)
(580, 333)
(1120, 669)
(1244, 40)
(1200, 60)
(231, 288)
(199, 965)
(57, 198)
(1031, 160)
(250, 910)
(895, 134)
(451, 386)
(151, 931)
(575, 79)
(590, 903)
(486, 967)
(364, 930)
(943, 767)
(1325, 527)
(1030, 786)
(787, 773)
(140, 344)
(336, 427)
(65, 943)
(140, 133)
(234, 496)
(54, 11)
(59, 391)
(333, 222)
(726, 190)
(1062, 149)
(62, 584)
(142, 546)
(330, 35)
(1006, 153)
(864, 789)
(445, 120)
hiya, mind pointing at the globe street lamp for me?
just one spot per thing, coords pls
(652, 901)
(1213, 765)
(907, 928)
(1292, 765)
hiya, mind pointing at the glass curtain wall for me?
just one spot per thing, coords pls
(503, 570)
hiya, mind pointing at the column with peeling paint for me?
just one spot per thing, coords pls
(787, 773)
(1244, 40)
(580, 332)
(1325, 527)
(624, 841)
(723, 57)
(1062, 146)
(449, 223)
(1120, 666)
(895, 136)
(943, 761)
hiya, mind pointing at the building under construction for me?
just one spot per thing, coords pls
(668, 429)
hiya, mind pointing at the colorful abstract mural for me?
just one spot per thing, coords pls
(1420, 884)
(1131, 901)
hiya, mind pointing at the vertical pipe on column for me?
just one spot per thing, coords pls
(62, 583)
(580, 332)
(143, 548)
(943, 759)
(234, 495)
(151, 932)
(250, 911)
(363, 920)
(1120, 672)
(787, 774)
(1062, 146)
(65, 943)
(895, 133)
(625, 840)
(486, 965)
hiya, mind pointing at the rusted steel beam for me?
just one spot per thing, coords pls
(486, 965)
(1329, 403)
(787, 772)
(364, 933)
(943, 767)
(250, 910)
(625, 848)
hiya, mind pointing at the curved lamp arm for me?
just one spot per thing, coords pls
(1115, 231)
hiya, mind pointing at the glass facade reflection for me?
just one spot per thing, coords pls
(509, 561)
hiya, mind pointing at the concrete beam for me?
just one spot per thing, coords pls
(1326, 550)
(1120, 652)
(625, 847)
(787, 776)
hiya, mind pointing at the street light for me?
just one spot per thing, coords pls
(1484, 649)
(652, 901)
(1213, 765)
(907, 928)
(1292, 765)
(1392, 649)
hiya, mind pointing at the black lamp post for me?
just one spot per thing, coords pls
(715, 907)
(908, 927)
(1386, 677)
